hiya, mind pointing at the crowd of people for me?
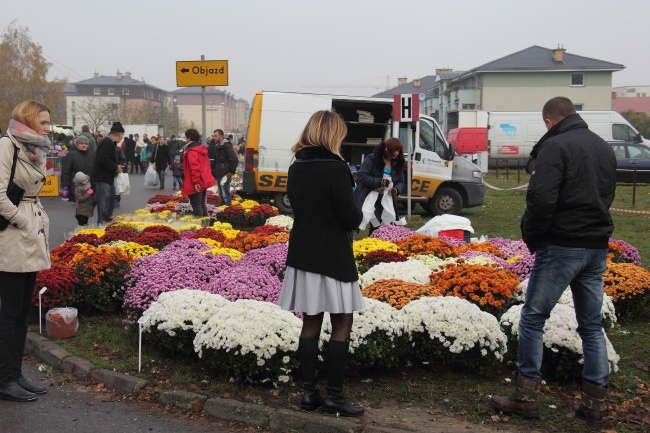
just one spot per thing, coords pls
(134, 155)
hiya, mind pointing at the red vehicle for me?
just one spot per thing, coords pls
(468, 141)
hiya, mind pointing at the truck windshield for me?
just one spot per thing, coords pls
(431, 139)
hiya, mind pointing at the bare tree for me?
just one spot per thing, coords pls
(96, 111)
(24, 75)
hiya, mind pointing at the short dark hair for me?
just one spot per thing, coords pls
(193, 134)
(173, 136)
(558, 108)
(85, 128)
(219, 131)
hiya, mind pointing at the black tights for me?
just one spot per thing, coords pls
(341, 326)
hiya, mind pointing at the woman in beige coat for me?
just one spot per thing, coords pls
(25, 241)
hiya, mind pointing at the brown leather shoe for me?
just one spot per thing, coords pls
(524, 401)
(593, 403)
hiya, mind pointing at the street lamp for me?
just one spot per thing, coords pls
(211, 114)
(223, 115)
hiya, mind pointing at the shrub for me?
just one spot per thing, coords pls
(61, 282)
(380, 256)
(629, 287)
(422, 244)
(452, 331)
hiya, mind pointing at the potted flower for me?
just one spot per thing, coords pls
(61, 282)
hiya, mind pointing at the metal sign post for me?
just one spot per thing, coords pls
(141, 321)
(406, 108)
(40, 314)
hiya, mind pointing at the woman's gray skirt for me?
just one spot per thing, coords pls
(310, 293)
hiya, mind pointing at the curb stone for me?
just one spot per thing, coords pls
(78, 367)
(254, 415)
(183, 399)
(233, 410)
(121, 382)
(287, 420)
(50, 352)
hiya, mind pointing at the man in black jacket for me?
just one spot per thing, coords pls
(105, 168)
(567, 225)
(223, 160)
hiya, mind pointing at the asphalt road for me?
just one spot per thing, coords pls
(70, 406)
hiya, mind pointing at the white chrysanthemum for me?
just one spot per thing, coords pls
(433, 262)
(252, 326)
(411, 271)
(456, 323)
(560, 331)
(608, 310)
(184, 309)
(377, 316)
(280, 221)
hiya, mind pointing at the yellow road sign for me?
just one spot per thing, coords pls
(202, 73)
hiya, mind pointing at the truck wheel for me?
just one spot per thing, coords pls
(446, 201)
(530, 165)
(282, 202)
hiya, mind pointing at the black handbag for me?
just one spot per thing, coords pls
(14, 192)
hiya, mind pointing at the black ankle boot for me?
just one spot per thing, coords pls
(13, 392)
(335, 402)
(308, 356)
(28, 385)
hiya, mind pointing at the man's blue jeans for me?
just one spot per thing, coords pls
(556, 268)
(104, 194)
(224, 191)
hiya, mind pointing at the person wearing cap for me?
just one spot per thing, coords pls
(79, 158)
(106, 166)
(92, 143)
(85, 201)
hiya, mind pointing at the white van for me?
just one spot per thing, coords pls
(442, 181)
(512, 135)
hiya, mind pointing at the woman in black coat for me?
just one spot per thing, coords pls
(385, 164)
(321, 274)
(162, 158)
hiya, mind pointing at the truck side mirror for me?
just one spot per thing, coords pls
(452, 151)
(638, 138)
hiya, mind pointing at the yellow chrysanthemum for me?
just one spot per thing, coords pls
(211, 242)
(188, 227)
(247, 204)
(232, 253)
(98, 232)
(363, 246)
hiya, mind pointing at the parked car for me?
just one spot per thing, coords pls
(631, 157)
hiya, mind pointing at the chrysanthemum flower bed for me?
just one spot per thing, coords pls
(209, 290)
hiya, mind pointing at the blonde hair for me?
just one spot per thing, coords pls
(325, 129)
(27, 112)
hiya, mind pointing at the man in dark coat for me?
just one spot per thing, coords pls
(162, 158)
(224, 164)
(129, 151)
(105, 168)
(174, 146)
(79, 158)
(567, 225)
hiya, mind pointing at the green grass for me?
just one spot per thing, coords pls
(104, 341)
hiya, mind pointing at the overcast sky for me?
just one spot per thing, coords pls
(305, 45)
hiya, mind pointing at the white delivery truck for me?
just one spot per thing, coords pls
(512, 135)
(442, 181)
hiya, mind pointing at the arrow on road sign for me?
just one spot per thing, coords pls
(184, 70)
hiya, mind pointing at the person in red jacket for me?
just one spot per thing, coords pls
(197, 173)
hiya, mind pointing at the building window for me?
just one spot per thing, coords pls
(578, 79)
(579, 107)
(112, 106)
(631, 90)
(97, 91)
(111, 91)
(469, 106)
(125, 92)
(641, 94)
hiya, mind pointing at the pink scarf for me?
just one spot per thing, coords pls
(37, 145)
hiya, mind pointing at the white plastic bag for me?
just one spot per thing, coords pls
(388, 215)
(122, 184)
(445, 222)
(151, 177)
